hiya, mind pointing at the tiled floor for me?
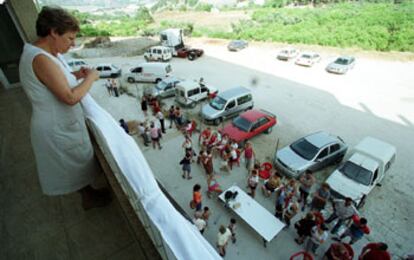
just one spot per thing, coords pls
(35, 226)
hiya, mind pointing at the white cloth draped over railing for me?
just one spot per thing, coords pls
(183, 238)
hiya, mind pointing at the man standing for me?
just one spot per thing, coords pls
(159, 115)
(143, 131)
(306, 182)
(343, 210)
(375, 251)
(108, 86)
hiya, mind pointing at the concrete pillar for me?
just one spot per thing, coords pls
(24, 14)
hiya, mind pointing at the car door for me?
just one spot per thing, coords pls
(230, 108)
(137, 73)
(259, 127)
(335, 153)
(320, 160)
(107, 71)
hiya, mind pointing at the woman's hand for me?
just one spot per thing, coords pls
(90, 73)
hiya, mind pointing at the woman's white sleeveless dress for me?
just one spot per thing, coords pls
(64, 154)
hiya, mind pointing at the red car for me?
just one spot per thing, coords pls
(189, 53)
(249, 124)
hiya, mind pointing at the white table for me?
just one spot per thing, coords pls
(254, 214)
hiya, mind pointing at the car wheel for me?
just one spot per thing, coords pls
(193, 104)
(269, 130)
(191, 56)
(131, 80)
(217, 121)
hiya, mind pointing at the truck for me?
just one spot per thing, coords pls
(368, 163)
(173, 39)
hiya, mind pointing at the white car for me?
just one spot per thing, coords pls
(287, 54)
(158, 53)
(308, 59)
(369, 161)
(77, 64)
(107, 70)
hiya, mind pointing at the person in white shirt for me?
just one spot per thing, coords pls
(343, 210)
(319, 235)
(200, 223)
(222, 239)
(160, 117)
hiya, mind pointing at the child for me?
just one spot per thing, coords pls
(318, 236)
(197, 197)
(253, 180)
(186, 163)
(222, 239)
(199, 222)
(206, 214)
(232, 227)
(212, 185)
(290, 212)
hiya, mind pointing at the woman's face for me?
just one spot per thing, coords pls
(65, 41)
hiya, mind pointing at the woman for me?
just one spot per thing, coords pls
(60, 140)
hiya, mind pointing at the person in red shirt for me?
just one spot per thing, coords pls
(339, 251)
(356, 231)
(204, 136)
(375, 251)
(197, 197)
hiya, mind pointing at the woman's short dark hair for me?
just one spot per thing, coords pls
(55, 18)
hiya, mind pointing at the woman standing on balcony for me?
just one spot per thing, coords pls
(60, 140)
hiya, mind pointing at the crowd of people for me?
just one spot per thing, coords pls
(291, 196)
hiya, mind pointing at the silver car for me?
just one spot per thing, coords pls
(312, 152)
(164, 88)
(341, 65)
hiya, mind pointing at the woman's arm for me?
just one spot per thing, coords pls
(53, 78)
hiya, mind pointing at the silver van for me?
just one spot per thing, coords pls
(227, 104)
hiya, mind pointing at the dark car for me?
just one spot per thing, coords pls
(249, 124)
(237, 45)
(189, 53)
(312, 152)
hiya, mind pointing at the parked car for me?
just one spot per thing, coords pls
(341, 65)
(366, 167)
(189, 53)
(249, 124)
(237, 45)
(158, 53)
(164, 88)
(308, 59)
(312, 152)
(149, 72)
(190, 92)
(287, 54)
(108, 70)
(227, 104)
(77, 64)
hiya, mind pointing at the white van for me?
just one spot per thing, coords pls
(149, 72)
(158, 53)
(77, 64)
(190, 92)
(227, 104)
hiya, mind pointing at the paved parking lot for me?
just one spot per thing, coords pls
(375, 99)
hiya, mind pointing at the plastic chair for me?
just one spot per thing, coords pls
(266, 169)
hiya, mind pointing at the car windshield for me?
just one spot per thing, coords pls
(115, 67)
(356, 173)
(161, 85)
(342, 61)
(218, 103)
(242, 123)
(304, 149)
(306, 56)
